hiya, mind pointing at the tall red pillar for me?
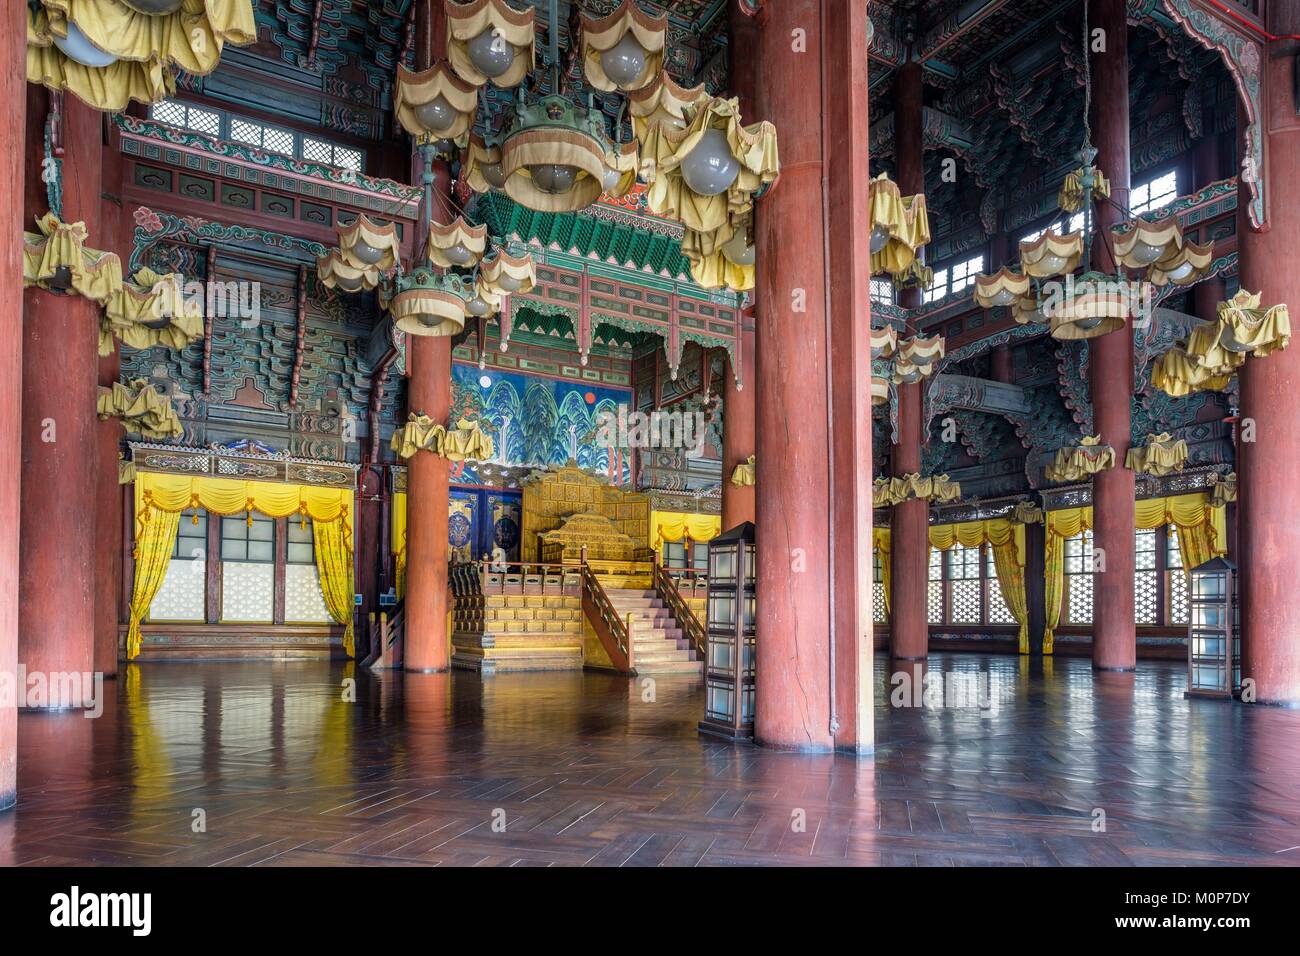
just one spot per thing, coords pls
(1110, 360)
(909, 627)
(13, 88)
(813, 500)
(738, 410)
(56, 593)
(428, 392)
(1268, 499)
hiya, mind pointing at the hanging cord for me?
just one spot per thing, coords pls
(1251, 25)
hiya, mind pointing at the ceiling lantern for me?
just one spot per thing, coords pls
(1003, 288)
(366, 244)
(661, 105)
(1143, 243)
(1051, 254)
(621, 163)
(1178, 374)
(1243, 329)
(435, 104)
(900, 226)
(457, 244)
(1096, 305)
(490, 41)
(58, 261)
(336, 272)
(504, 274)
(884, 342)
(1184, 266)
(481, 165)
(555, 156)
(723, 258)
(430, 304)
(109, 53)
(1080, 462)
(623, 51)
(917, 358)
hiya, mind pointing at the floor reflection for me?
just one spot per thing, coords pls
(1014, 761)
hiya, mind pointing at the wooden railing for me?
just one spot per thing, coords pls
(386, 639)
(512, 577)
(690, 582)
(666, 588)
(614, 632)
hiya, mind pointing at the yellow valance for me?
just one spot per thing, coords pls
(160, 498)
(1078, 462)
(887, 492)
(1006, 539)
(675, 525)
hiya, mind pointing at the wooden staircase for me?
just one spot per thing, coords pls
(660, 645)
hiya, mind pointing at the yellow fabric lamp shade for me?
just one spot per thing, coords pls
(57, 260)
(150, 310)
(624, 50)
(900, 226)
(456, 244)
(556, 157)
(921, 350)
(336, 272)
(879, 390)
(142, 410)
(661, 106)
(1080, 462)
(744, 474)
(621, 165)
(1244, 327)
(368, 245)
(884, 342)
(489, 41)
(160, 499)
(1177, 374)
(435, 104)
(715, 128)
(1161, 455)
(1051, 254)
(1002, 288)
(1144, 242)
(107, 53)
(466, 442)
(1072, 194)
(1095, 306)
(429, 312)
(1185, 265)
(505, 274)
(711, 265)
(481, 165)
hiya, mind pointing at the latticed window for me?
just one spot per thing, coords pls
(1176, 580)
(966, 587)
(964, 273)
(1146, 591)
(1078, 578)
(1154, 194)
(938, 288)
(998, 612)
(879, 614)
(882, 291)
(934, 596)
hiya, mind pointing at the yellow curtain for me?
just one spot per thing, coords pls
(398, 542)
(880, 541)
(162, 494)
(1058, 525)
(155, 538)
(1202, 534)
(676, 525)
(1007, 539)
(334, 563)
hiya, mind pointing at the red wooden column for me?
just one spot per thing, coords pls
(909, 524)
(13, 84)
(428, 392)
(1269, 498)
(1110, 359)
(813, 501)
(738, 421)
(56, 593)
(738, 410)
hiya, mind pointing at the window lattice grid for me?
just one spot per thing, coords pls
(346, 158)
(1176, 580)
(316, 151)
(169, 112)
(963, 274)
(882, 291)
(938, 288)
(1079, 608)
(1154, 194)
(300, 548)
(1078, 578)
(242, 131)
(879, 614)
(936, 565)
(203, 121)
(934, 602)
(1146, 593)
(279, 141)
(967, 601)
(963, 562)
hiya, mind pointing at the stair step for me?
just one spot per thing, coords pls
(670, 667)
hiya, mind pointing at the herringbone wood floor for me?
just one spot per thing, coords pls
(282, 770)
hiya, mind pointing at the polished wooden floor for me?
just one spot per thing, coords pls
(277, 766)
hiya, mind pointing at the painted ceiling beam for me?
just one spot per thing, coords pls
(939, 130)
(979, 395)
(954, 27)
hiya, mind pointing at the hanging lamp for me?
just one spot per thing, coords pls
(489, 41)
